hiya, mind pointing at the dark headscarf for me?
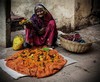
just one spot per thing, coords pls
(39, 23)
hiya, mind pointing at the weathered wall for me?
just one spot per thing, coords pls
(62, 10)
(67, 13)
(95, 12)
(87, 12)
(82, 11)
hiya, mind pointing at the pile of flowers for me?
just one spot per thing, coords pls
(39, 62)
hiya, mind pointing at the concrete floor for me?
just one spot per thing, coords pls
(87, 69)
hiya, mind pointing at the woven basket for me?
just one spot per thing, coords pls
(74, 46)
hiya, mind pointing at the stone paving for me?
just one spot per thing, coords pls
(87, 69)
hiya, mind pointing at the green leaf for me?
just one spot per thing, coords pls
(46, 49)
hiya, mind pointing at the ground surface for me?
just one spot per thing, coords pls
(87, 69)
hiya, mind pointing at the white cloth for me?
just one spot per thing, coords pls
(17, 75)
(11, 72)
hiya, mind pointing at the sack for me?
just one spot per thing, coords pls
(18, 42)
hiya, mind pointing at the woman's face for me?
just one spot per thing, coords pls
(40, 12)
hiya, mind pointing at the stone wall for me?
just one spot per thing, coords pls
(62, 10)
(82, 11)
(86, 13)
(68, 13)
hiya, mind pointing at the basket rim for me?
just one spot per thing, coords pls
(61, 38)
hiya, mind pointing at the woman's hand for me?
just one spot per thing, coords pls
(41, 31)
(25, 22)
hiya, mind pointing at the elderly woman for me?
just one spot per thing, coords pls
(43, 29)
